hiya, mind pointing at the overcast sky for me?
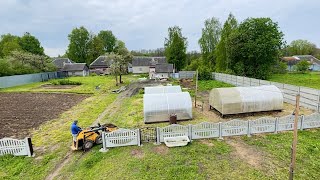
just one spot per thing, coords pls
(143, 24)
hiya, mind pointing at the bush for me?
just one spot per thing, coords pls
(302, 66)
(205, 73)
(65, 82)
(280, 68)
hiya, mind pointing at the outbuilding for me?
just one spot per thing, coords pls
(76, 69)
(236, 100)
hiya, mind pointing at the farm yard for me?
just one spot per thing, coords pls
(264, 156)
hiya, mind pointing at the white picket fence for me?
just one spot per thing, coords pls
(310, 98)
(16, 147)
(238, 127)
(121, 137)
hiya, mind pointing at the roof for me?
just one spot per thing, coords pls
(147, 61)
(164, 68)
(101, 61)
(289, 58)
(75, 67)
(59, 62)
(305, 57)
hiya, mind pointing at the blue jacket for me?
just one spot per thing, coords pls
(75, 129)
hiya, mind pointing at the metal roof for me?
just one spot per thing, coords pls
(75, 67)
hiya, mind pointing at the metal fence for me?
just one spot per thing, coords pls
(310, 98)
(10, 81)
(16, 147)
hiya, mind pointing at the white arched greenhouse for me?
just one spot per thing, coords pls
(162, 89)
(159, 107)
(236, 100)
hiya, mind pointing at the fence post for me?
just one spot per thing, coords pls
(302, 119)
(220, 131)
(138, 137)
(28, 146)
(158, 135)
(104, 145)
(276, 125)
(249, 128)
(190, 131)
(318, 101)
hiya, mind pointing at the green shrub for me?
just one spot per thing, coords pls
(205, 73)
(302, 66)
(280, 68)
(65, 82)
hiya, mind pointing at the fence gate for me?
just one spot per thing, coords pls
(148, 134)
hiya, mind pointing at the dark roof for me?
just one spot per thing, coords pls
(59, 62)
(101, 61)
(164, 68)
(147, 61)
(75, 67)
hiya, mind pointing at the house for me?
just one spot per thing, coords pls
(163, 71)
(60, 62)
(142, 64)
(293, 60)
(101, 65)
(76, 69)
(129, 68)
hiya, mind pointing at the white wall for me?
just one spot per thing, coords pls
(140, 69)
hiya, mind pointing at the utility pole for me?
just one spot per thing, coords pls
(295, 139)
(195, 96)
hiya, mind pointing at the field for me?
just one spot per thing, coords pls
(258, 157)
(21, 112)
(311, 80)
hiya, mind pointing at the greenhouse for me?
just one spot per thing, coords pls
(159, 107)
(237, 100)
(162, 89)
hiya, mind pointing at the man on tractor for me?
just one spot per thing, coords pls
(75, 129)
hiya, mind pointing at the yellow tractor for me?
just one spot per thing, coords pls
(91, 136)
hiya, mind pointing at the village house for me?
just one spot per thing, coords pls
(60, 62)
(101, 65)
(142, 65)
(76, 69)
(293, 60)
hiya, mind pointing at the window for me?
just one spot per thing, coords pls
(140, 69)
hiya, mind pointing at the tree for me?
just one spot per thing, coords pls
(302, 66)
(120, 49)
(116, 67)
(95, 48)
(108, 40)
(222, 60)
(31, 44)
(175, 47)
(209, 40)
(301, 47)
(78, 48)
(8, 43)
(254, 47)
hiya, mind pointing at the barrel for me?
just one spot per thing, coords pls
(173, 119)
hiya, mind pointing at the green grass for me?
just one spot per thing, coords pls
(311, 80)
(205, 85)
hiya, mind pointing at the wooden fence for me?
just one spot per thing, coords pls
(16, 147)
(309, 98)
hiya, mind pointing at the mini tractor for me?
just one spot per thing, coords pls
(91, 136)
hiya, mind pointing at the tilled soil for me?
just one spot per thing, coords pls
(21, 112)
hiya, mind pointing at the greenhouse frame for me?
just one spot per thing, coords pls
(159, 107)
(162, 89)
(236, 100)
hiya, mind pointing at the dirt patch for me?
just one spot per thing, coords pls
(247, 153)
(50, 86)
(187, 83)
(161, 149)
(206, 142)
(137, 153)
(21, 112)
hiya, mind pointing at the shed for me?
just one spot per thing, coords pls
(159, 107)
(162, 89)
(76, 69)
(236, 100)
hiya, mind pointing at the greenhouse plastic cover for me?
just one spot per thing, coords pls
(246, 99)
(162, 89)
(159, 107)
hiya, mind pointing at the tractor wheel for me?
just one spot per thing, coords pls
(87, 145)
(99, 139)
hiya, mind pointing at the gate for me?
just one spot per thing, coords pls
(148, 134)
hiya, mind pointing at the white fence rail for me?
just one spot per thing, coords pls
(310, 98)
(173, 131)
(121, 137)
(16, 147)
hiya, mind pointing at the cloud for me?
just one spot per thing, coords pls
(143, 24)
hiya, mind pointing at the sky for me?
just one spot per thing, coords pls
(143, 24)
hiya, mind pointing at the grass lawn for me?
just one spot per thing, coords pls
(311, 80)
(201, 159)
